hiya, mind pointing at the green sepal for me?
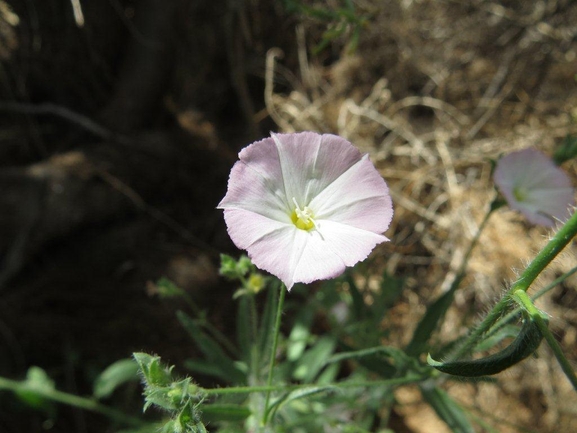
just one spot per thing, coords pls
(152, 369)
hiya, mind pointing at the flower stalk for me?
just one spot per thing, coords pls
(72, 400)
(527, 304)
(531, 272)
(273, 353)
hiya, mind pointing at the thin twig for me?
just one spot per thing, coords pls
(271, 56)
(155, 213)
(489, 113)
(64, 113)
(78, 15)
(496, 81)
(427, 101)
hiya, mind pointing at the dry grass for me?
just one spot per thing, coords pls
(434, 91)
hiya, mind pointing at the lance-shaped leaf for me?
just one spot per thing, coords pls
(526, 342)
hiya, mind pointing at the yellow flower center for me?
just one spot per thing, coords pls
(520, 193)
(303, 218)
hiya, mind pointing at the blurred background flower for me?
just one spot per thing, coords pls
(535, 186)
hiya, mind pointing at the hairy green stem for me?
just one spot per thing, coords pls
(515, 312)
(545, 256)
(357, 384)
(527, 304)
(71, 400)
(254, 346)
(273, 351)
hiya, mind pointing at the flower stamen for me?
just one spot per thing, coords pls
(303, 218)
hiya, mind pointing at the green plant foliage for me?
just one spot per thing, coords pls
(122, 371)
(222, 366)
(342, 20)
(179, 397)
(525, 344)
(167, 289)
(566, 150)
(34, 389)
(224, 412)
(428, 324)
(235, 269)
(333, 370)
(446, 408)
(313, 360)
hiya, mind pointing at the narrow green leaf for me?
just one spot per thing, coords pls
(224, 412)
(397, 355)
(268, 318)
(566, 150)
(211, 350)
(526, 342)
(447, 409)
(207, 368)
(243, 327)
(350, 5)
(122, 371)
(314, 359)
(374, 363)
(297, 395)
(319, 13)
(429, 322)
(390, 290)
(359, 308)
(507, 331)
(299, 336)
(328, 375)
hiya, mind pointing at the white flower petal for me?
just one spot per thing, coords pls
(298, 256)
(246, 227)
(310, 162)
(332, 184)
(555, 202)
(251, 189)
(359, 197)
(349, 243)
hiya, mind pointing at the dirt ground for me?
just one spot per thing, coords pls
(120, 120)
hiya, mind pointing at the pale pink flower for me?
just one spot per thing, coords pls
(305, 206)
(535, 186)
